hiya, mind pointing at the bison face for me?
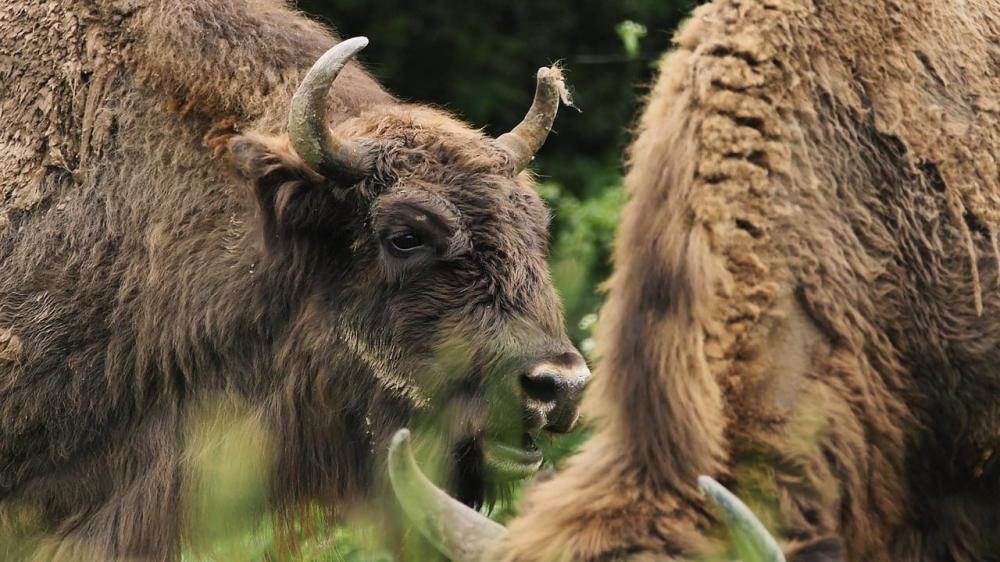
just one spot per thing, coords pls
(455, 271)
(427, 252)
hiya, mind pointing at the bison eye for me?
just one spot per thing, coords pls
(405, 243)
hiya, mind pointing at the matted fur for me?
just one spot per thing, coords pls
(805, 298)
(162, 248)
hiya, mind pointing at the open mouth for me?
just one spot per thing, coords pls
(487, 467)
(507, 462)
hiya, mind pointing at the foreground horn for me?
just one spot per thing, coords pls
(458, 531)
(524, 141)
(743, 525)
(464, 535)
(342, 160)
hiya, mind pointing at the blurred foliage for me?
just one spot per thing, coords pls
(630, 33)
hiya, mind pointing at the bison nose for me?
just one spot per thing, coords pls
(552, 391)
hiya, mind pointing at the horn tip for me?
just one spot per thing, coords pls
(400, 438)
(356, 43)
(549, 73)
(552, 77)
(714, 490)
(738, 516)
(706, 483)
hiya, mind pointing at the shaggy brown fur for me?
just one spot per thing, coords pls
(140, 276)
(805, 298)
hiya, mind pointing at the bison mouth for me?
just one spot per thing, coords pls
(487, 467)
(512, 463)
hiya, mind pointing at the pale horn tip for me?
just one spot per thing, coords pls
(357, 43)
(399, 438)
(741, 521)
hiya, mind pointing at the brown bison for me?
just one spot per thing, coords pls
(805, 300)
(176, 225)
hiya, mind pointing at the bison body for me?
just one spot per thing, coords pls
(164, 242)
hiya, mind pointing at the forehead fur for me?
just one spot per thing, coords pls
(429, 157)
(426, 142)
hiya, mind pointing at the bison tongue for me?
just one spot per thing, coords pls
(458, 531)
(511, 463)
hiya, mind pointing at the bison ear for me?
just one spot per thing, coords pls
(292, 200)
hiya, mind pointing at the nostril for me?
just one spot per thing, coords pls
(543, 386)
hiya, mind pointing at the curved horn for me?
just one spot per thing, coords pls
(458, 531)
(744, 526)
(307, 127)
(529, 135)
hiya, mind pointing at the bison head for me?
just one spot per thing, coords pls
(424, 247)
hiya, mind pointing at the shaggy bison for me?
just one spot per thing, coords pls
(804, 304)
(176, 225)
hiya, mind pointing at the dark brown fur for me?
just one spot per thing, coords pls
(182, 250)
(805, 298)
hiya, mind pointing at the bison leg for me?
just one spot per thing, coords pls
(129, 507)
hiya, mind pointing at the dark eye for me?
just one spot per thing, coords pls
(405, 243)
